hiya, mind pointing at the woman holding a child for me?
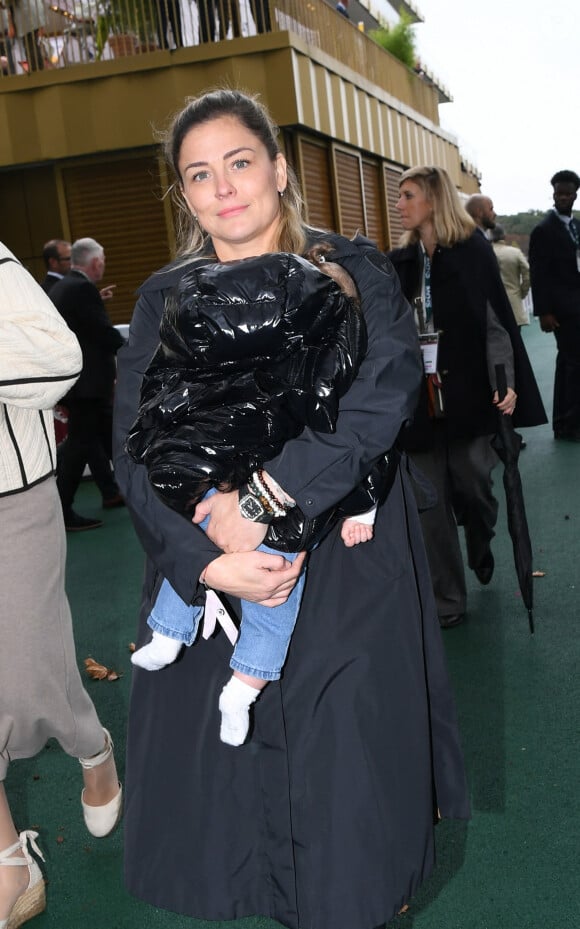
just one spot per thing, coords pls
(323, 818)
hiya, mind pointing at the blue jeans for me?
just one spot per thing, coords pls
(265, 632)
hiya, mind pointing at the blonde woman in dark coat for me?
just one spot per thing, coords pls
(449, 273)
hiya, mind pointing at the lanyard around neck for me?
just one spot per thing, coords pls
(427, 278)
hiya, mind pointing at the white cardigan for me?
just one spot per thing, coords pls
(40, 359)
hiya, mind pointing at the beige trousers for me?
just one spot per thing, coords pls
(41, 693)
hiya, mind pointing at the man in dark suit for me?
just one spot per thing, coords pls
(89, 402)
(56, 255)
(554, 257)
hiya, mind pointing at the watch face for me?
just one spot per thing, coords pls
(251, 508)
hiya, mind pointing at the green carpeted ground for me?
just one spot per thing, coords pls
(516, 865)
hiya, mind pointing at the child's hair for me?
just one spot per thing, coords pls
(317, 256)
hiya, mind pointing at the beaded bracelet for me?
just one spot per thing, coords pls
(279, 507)
(267, 499)
(280, 495)
(283, 504)
(253, 488)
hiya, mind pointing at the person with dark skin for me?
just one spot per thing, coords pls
(554, 257)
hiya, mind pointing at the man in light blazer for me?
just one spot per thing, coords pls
(515, 273)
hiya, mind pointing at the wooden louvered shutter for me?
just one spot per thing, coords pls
(118, 203)
(316, 185)
(396, 230)
(375, 225)
(350, 193)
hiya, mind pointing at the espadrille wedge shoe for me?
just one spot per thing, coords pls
(33, 900)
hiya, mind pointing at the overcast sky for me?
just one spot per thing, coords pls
(513, 70)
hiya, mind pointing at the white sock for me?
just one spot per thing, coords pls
(235, 701)
(160, 651)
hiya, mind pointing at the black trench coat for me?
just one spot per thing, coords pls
(464, 280)
(324, 819)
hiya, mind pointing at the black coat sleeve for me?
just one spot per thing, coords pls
(84, 311)
(179, 549)
(485, 272)
(320, 470)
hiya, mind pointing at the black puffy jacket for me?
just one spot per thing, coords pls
(251, 352)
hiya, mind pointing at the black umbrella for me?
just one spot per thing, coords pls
(506, 443)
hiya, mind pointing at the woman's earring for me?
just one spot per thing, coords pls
(281, 193)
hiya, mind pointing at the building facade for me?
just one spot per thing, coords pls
(79, 155)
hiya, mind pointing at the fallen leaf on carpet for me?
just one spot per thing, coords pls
(99, 671)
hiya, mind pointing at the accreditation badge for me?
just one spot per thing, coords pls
(429, 342)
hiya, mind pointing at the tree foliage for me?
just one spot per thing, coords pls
(523, 223)
(399, 40)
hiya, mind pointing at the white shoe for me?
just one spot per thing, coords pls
(101, 820)
(33, 900)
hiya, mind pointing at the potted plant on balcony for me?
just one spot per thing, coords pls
(398, 39)
(127, 28)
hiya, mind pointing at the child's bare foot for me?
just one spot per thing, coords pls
(353, 532)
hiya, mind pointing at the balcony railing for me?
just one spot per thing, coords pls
(38, 35)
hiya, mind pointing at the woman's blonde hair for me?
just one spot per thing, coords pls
(214, 104)
(451, 222)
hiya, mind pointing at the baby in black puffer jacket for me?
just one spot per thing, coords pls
(252, 352)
